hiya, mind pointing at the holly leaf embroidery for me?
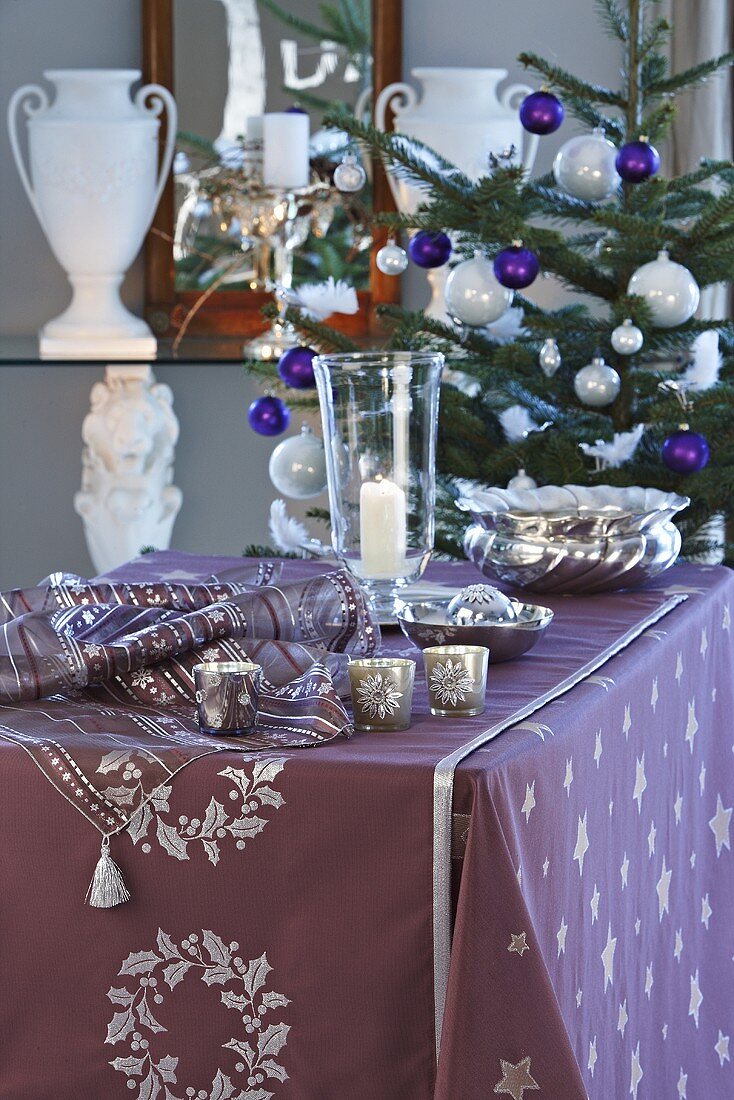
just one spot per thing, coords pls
(245, 827)
(160, 797)
(166, 946)
(218, 975)
(272, 1069)
(269, 796)
(138, 824)
(171, 841)
(120, 1026)
(140, 962)
(147, 1018)
(265, 771)
(215, 817)
(167, 1068)
(241, 1047)
(255, 1094)
(133, 1067)
(212, 850)
(274, 1000)
(150, 1087)
(256, 973)
(235, 1001)
(121, 996)
(175, 972)
(222, 1087)
(217, 948)
(271, 1041)
(121, 796)
(112, 760)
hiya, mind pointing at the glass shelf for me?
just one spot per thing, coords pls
(23, 351)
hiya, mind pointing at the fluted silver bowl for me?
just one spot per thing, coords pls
(572, 538)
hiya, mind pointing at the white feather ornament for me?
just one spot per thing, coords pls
(703, 371)
(610, 455)
(507, 328)
(288, 534)
(319, 300)
(517, 423)
(462, 381)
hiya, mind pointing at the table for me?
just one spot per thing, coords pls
(591, 940)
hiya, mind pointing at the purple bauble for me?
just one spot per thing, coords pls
(269, 415)
(637, 161)
(541, 113)
(296, 368)
(516, 267)
(685, 452)
(429, 249)
(294, 109)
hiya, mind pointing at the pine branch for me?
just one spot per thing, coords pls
(318, 334)
(614, 18)
(691, 78)
(303, 26)
(560, 78)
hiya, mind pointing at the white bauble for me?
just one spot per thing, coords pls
(392, 259)
(584, 167)
(474, 295)
(549, 357)
(669, 289)
(350, 175)
(521, 480)
(597, 384)
(298, 466)
(627, 338)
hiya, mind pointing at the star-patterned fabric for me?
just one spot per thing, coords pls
(593, 894)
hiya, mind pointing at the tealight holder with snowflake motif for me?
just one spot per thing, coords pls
(382, 693)
(227, 697)
(457, 679)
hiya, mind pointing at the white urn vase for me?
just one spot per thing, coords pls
(463, 116)
(94, 179)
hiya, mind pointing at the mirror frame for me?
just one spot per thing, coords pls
(237, 313)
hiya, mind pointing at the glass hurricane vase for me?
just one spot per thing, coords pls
(379, 412)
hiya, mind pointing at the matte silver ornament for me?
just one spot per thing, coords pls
(549, 357)
(597, 384)
(474, 295)
(392, 259)
(627, 338)
(350, 175)
(297, 466)
(585, 167)
(521, 480)
(481, 603)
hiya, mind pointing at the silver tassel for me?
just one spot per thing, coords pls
(107, 887)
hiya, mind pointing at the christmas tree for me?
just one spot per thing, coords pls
(508, 404)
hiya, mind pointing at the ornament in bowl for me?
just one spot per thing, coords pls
(572, 538)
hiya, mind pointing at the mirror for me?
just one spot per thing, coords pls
(229, 226)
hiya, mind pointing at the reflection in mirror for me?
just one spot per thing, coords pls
(256, 203)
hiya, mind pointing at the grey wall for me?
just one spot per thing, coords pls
(221, 465)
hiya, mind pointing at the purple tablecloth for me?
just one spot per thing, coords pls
(594, 903)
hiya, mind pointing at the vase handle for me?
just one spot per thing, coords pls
(408, 97)
(160, 97)
(531, 140)
(26, 92)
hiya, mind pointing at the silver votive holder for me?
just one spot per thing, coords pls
(457, 679)
(382, 693)
(227, 697)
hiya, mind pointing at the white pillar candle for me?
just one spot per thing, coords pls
(285, 150)
(382, 529)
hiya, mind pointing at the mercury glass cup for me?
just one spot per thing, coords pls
(227, 697)
(382, 693)
(379, 413)
(457, 679)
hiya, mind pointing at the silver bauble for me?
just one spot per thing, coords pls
(549, 357)
(669, 289)
(597, 384)
(392, 259)
(297, 466)
(481, 603)
(349, 175)
(521, 480)
(584, 167)
(627, 338)
(474, 296)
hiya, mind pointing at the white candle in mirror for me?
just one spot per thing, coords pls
(382, 529)
(254, 144)
(285, 150)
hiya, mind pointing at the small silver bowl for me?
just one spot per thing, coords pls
(429, 624)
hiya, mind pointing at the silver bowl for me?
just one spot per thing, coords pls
(572, 538)
(427, 624)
